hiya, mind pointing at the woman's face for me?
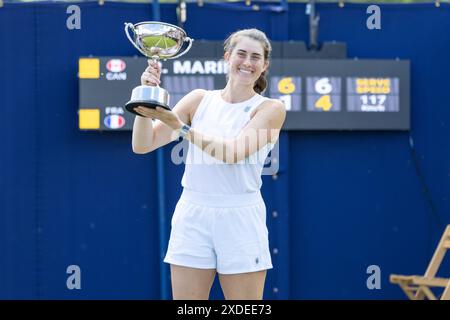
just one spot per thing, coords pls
(246, 61)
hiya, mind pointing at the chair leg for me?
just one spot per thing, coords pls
(428, 293)
(420, 295)
(446, 293)
(409, 291)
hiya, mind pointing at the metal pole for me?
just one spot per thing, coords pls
(156, 11)
(161, 185)
(313, 25)
(181, 13)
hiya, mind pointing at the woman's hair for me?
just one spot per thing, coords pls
(255, 34)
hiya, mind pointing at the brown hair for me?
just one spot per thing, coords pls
(255, 34)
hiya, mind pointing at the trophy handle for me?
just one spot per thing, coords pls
(186, 50)
(127, 27)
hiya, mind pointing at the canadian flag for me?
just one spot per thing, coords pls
(116, 65)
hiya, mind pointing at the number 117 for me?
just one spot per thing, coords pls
(373, 99)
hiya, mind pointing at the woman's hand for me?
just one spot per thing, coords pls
(151, 75)
(169, 117)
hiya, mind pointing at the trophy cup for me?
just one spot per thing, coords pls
(155, 40)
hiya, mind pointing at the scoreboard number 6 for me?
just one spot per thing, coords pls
(286, 86)
(323, 86)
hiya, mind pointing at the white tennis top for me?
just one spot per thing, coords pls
(206, 174)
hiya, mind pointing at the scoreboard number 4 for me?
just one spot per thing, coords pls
(323, 87)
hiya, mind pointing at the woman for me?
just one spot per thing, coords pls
(219, 224)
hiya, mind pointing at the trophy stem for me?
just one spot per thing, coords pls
(155, 59)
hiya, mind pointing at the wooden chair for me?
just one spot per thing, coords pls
(419, 287)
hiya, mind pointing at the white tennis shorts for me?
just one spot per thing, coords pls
(223, 232)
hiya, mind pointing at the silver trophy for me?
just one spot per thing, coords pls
(155, 40)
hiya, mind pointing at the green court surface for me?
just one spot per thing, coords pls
(157, 41)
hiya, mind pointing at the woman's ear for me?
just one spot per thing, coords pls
(266, 65)
(226, 56)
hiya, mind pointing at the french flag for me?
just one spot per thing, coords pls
(114, 121)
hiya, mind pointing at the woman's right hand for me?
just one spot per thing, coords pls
(151, 75)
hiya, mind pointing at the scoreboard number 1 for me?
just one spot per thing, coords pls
(287, 100)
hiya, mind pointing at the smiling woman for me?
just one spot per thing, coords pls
(219, 223)
(254, 44)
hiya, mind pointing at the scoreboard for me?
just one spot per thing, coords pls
(319, 94)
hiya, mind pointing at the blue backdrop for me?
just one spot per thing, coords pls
(342, 201)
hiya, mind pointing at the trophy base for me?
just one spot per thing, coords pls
(151, 104)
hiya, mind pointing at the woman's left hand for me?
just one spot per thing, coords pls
(167, 116)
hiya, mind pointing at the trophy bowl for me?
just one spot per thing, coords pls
(158, 41)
